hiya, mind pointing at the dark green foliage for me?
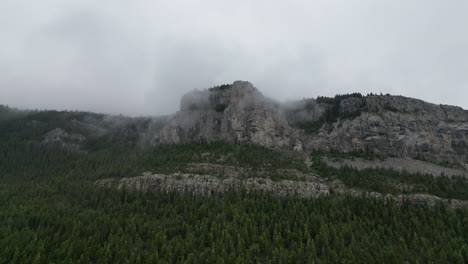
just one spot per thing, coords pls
(391, 108)
(360, 153)
(220, 87)
(68, 221)
(309, 104)
(441, 162)
(332, 114)
(310, 127)
(337, 99)
(386, 181)
(198, 106)
(354, 114)
(7, 113)
(29, 160)
(50, 211)
(220, 107)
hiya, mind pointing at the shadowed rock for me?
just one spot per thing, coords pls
(237, 113)
(391, 126)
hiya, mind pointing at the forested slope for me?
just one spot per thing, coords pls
(51, 211)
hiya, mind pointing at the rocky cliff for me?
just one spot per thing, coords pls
(310, 186)
(386, 125)
(230, 113)
(395, 129)
(59, 138)
(397, 126)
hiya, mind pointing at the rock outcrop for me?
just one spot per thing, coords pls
(396, 128)
(397, 164)
(61, 139)
(400, 127)
(391, 126)
(195, 184)
(233, 113)
(209, 185)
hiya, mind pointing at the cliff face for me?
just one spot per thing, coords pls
(387, 125)
(394, 127)
(310, 186)
(234, 113)
(397, 126)
(59, 138)
(209, 185)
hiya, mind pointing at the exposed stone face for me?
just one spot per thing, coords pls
(238, 113)
(401, 127)
(388, 125)
(397, 164)
(304, 110)
(393, 126)
(195, 184)
(61, 139)
(209, 185)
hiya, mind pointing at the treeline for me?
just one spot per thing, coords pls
(119, 154)
(111, 156)
(9, 113)
(28, 160)
(220, 87)
(332, 112)
(50, 211)
(337, 99)
(389, 181)
(69, 221)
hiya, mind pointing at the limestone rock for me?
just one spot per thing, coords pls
(237, 113)
(392, 126)
(61, 139)
(196, 184)
(400, 127)
(209, 185)
(397, 164)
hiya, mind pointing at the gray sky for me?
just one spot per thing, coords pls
(138, 57)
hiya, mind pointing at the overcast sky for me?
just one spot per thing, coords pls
(138, 57)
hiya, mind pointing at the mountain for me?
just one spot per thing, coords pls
(391, 126)
(230, 113)
(414, 142)
(234, 177)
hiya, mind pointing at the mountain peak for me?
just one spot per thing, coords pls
(384, 124)
(220, 97)
(232, 113)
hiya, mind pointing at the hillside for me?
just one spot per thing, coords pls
(236, 177)
(386, 125)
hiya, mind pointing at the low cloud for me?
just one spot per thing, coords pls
(140, 57)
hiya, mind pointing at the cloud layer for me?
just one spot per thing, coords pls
(138, 57)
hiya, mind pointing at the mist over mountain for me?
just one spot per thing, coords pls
(139, 58)
(184, 131)
(391, 126)
(230, 157)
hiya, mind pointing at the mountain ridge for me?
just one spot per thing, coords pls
(382, 125)
(393, 126)
(233, 135)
